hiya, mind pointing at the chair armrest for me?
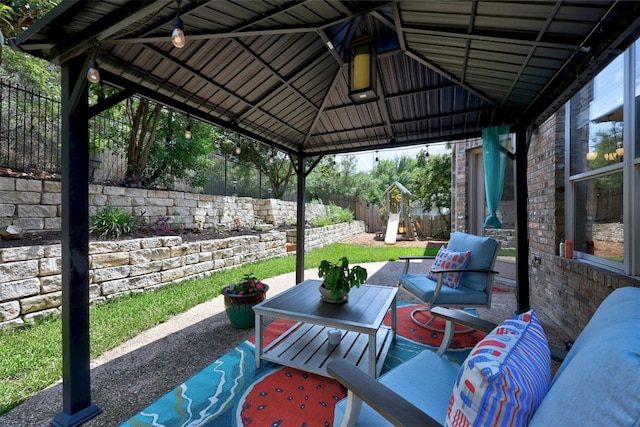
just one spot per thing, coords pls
(408, 258)
(462, 270)
(461, 318)
(385, 401)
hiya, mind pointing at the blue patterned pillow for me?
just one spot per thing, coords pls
(447, 260)
(504, 378)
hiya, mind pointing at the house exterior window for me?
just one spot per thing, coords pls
(602, 168)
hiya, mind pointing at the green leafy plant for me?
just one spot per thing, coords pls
(339, 278)
(336, 215)
(249, 285)
(110, 222)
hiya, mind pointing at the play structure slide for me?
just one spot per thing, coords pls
(392, 229)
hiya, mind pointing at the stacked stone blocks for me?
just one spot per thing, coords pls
(31, 276)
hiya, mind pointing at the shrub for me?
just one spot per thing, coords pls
(111, 223)
(336, 215)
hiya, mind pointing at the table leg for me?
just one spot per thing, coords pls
(373, 363)
(258, 339)
(394, 317)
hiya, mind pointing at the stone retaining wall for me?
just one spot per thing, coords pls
(31, 276)
(506, 237)
(35, 205)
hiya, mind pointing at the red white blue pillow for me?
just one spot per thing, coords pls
(448, 260)
(505, 377)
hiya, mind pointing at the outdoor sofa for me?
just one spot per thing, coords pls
(597, 383)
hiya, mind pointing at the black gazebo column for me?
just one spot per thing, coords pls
(76, 373)
(300, 217)
(522, 221)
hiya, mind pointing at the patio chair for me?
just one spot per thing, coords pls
(596, 383)
(461, 276)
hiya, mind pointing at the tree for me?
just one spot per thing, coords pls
(275, 165)
(431, 184)
(18, 67)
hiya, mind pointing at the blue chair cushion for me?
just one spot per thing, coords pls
(598, 383)
(423, 288)
(426, 380)
(483, 254)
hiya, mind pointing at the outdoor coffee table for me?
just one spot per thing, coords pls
(365, 340)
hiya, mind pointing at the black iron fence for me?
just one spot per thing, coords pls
(30, 141)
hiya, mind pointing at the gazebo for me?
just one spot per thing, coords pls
(313, 78)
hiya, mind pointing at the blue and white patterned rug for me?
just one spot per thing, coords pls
(233, 392)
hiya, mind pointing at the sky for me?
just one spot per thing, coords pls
(365, 160)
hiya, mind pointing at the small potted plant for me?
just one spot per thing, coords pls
(241, 297)
(338, 279)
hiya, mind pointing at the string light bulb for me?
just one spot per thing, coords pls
(187, 131)
(177, 36)
(238, 149)
(93, 73)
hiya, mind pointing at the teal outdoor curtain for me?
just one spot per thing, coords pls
(494, 155)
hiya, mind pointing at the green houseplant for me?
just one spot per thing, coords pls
(338, 279)
(239, 299)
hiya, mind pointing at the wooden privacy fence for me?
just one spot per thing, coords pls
(426, 225)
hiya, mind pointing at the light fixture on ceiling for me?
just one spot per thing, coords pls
(592, 155)
(177, 36)
(187, 130)
(363, 73)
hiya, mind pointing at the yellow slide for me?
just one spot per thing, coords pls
(392, 229)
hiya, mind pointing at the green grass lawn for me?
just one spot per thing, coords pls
(30, 356)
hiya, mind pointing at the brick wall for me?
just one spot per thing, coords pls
(567, 290)
(31, 276)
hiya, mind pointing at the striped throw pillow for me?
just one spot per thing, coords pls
(449, 260)
(505, 377)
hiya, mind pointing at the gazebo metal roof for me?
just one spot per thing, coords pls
(277, 71)
(446, 69)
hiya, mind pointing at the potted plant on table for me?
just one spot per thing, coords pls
(241, 297)
(338, 279)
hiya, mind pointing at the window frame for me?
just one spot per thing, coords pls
(629, 166)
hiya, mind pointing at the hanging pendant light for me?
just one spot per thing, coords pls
(177, 36)
(363, 73)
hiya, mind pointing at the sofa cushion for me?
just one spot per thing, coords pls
(504, 378)
(598, 383)
(483, 250)
(448, 260)
(425, 380)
